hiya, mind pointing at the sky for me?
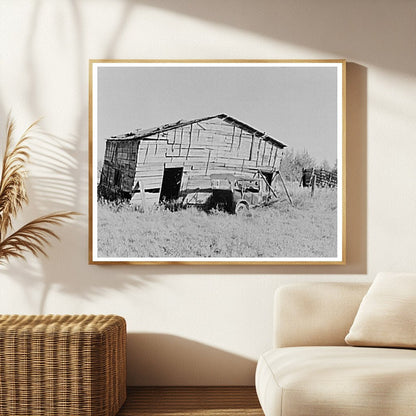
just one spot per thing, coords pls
(295, 105)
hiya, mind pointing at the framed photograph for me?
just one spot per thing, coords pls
(213, 162)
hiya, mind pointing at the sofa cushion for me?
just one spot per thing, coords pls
(387, 314)
(342, 381)
(315, 314)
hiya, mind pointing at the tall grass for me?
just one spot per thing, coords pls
(307, 229)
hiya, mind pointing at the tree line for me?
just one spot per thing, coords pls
(294, 161)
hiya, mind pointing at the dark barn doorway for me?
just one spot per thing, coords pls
(171, 184)
(268, 176)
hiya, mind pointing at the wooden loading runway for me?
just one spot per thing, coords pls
(187, 401)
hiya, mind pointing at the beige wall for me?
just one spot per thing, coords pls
(199, 324)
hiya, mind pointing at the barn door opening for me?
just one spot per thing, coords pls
(268, 176)
(171, 184)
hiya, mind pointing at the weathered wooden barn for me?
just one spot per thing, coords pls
(165, 162)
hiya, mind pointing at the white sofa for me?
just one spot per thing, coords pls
(311, 371)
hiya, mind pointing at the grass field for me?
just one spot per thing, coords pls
(308, 229)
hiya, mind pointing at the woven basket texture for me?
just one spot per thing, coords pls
(53, 365)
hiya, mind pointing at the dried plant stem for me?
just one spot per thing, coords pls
(34, 236)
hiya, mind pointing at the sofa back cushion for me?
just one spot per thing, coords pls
(387, 314)
(309, 314)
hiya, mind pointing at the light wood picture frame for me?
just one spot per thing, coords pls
(217, 162)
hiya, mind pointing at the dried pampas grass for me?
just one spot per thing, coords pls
(34, 236)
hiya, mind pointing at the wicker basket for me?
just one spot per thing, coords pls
(54, 365)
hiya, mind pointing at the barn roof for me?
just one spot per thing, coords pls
(143, 133)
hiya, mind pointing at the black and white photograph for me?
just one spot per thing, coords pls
(217, 162)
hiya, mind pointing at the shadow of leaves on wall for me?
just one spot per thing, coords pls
(61, 163)
(338, 28)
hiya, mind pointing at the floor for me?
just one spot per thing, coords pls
(195, 401)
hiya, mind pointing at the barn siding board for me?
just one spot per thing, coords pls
(152, 158)
(251, 147)
(219, 128)
(262, 152)
(193, 160)
(189, 142)
(174, 164)
(150, 183)
(146, 175)
(258, 152)
(151, 199)
(155, 164)
(205, 136)
(270, 154)
(196, 152)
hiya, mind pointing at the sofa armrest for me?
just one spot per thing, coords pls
(315, 313)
